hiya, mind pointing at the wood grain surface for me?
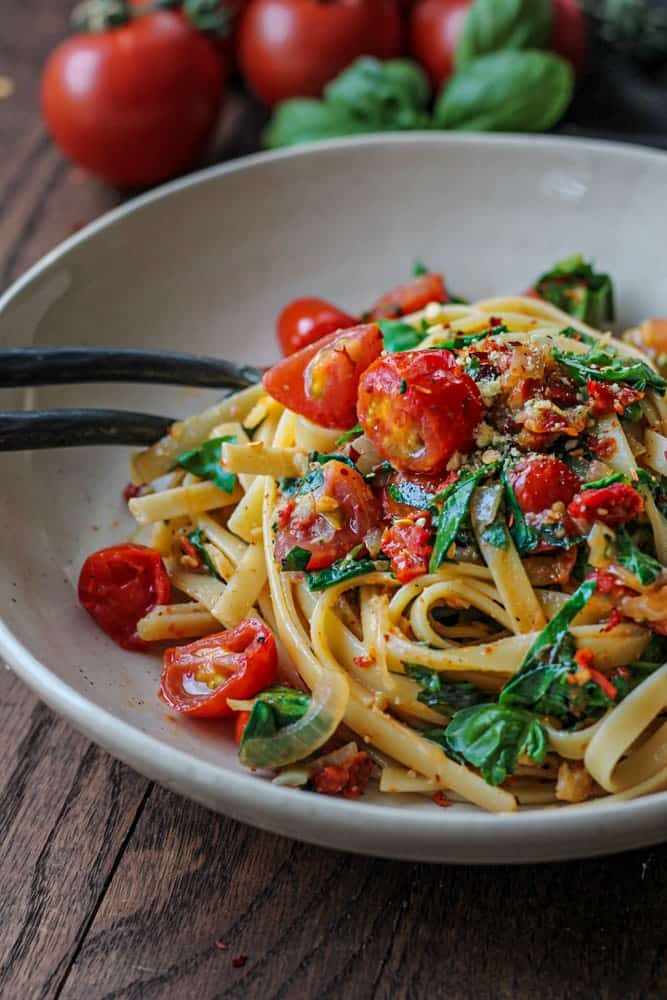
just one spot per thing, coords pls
(113, 887)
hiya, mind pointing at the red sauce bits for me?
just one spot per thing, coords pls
(348, 779)
(613, 505)
(605, 399)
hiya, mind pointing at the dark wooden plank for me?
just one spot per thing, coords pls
(66, 810)
(316, 923)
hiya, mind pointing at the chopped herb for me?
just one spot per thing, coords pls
(411, 494)
(403, 387)
(444, 696)
(471, 338)
(473, 366)
(399, 335)
(419, 269)
(523, 536)
(296, 559)
(496, 534)
(598, 484)
(645, 567)
(196, 539)
(602, 364)
(321, 458)
(205, 461)
(454, 511)
(493, 737)
(343, 569)
(349, 435)
(573, 286)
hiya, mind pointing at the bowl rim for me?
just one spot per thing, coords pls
(466, 835)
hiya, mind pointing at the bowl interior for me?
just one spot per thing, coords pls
(205, 265)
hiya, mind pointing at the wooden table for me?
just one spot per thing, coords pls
(110, 886)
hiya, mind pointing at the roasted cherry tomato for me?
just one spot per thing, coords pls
(410, 297)
(240, 723)
(541, 482)
(613, 505)
(331, 520)
(292, 48)
(407, 543)
(197, 679)
(134, 104)
(605, 398)
(320, 382)
(418, 408)
(121, 584)
(436, 27)
(305, 321)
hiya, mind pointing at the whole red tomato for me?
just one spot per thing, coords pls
(292, 48)
(436, 26)
(134, 104)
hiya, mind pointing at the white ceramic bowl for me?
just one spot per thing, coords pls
(204, 264)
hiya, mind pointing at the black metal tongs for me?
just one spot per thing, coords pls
(33, 366)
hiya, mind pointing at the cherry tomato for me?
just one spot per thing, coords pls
(613, 505)
(408, 546)
(305, 321)
(134, 104)
(240, 723)
(197, 679)
(121, 584)
(605, 399)
(331, 520)
(320, 382)
(292, 48)
(541, 482)
(410, 297)
(436, 26)
(418, 408)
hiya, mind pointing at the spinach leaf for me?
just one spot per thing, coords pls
(602, 364)
(551, 637)
(343, 569)
(598, 484)
(444, 696)
(296, 559)
(454, 511)
(205, 462)
(196, 539)
(349, 435)
(523, 536)
(399, 336)
(492, 25)
(573, 286)
(493, 737)
(516, 91)
(645, 567)
(411, 494)
(274, 709)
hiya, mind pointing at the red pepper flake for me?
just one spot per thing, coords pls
(363, 661)
(602, 447)
(615, 618)
(441, 799)
(348, 779)
(604, 683)
(221, 945)
(189, 549)
(239, 961)
(130, 491)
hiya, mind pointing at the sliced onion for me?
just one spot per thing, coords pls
(301, 738)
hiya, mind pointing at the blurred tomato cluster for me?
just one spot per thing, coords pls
(134, 95)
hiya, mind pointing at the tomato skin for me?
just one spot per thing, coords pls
(605, 398)
(301, 523)
(541, 482)
(437, 25)
(418, 408)
(408, 547)
(305, 321)
(320, 381)
(246, 654)
(613, 505)
(410, 297)
(134, 104)
(118, 586)
(292, 48)
(240, 723)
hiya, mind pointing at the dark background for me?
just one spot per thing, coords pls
(112, 887)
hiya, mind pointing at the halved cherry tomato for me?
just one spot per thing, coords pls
(197, 679)
(613, 505)
(605, 398)
(240, 723)
(121, 584)
(541, 482)
(320, 382)
(329, 521)
(418, 408)
(410, 297)
(408, 546)
(305, 321)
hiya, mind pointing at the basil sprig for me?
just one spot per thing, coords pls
(492, 25)
(601, 363)
(205, 461)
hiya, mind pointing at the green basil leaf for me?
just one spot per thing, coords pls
(349, 435)
(296, 559)
(288, 704)
(411, 494)
(419, 269)
(205, 462)
(304, 119)
(555, 632)
(196, 539)
(343, 569)
(496, 534)
(381, 95)
(523, 536)
(493, 737)
(598, 484)
(262, 723)
(321, 458)
(515, 91)
(444, 696)
(399, 336)
(573, 286)
(464, 341)
(492, 25)
(454, 511)
(645, 567)
(602, 364)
